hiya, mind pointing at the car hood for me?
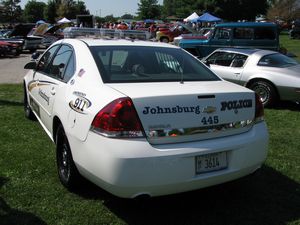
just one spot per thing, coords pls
(173, 112)
(21, 30)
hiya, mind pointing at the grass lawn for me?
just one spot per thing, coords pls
(292, 45)
(30, 192)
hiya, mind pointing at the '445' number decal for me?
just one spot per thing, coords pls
(210, 120)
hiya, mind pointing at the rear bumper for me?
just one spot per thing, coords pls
(128, 168)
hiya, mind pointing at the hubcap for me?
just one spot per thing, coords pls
(263, 93)
(64, 162)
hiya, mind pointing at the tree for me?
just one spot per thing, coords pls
(10, 11)
(33, 11)
(50, 10)
(149, 9)
(231, 10)
(69, 9)
(127, 16)
(286, 10)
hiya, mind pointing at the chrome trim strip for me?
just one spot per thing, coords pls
(164, 136)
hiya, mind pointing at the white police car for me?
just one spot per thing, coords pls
(142, 118)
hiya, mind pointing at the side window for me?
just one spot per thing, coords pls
(221, 58)
(243, 33)
(239, 60)
(45, 60)
(70, 69)
(60, 62)
(222, 33)
(265, 33)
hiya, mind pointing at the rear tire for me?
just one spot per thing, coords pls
(266, 92)
(67, 171)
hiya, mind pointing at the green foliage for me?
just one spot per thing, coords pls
(33, 11)
(70, 8)
(50, 14)
(230, 10)
(10, 11)
(149, 9)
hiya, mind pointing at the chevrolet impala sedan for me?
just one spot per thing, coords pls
(142, 118)
(272, 75)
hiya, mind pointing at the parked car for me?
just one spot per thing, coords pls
(234, 35)
(142, 118)
(168, 35)
(21, 35)
(8, 49)
(202, 34)
(49, 33)
(272, 75)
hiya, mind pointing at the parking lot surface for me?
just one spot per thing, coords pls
(12, 69)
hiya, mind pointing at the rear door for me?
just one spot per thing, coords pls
(54, 70)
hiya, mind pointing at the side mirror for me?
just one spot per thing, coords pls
(31, 65)
(35, 55)
(206, 62)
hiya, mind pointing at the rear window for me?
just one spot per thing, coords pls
(128, 64)
(277, 60)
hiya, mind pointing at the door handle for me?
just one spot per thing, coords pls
(237, 73)
(53, 91)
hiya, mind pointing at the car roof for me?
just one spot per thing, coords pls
(246, 24)
(117, 42)
(247, 51)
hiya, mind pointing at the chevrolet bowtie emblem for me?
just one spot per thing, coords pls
(209, 109)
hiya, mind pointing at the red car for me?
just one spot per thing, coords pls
(168, 35)
(8, 49)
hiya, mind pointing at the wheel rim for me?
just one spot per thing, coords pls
(64, 161)
(165, 40)
(263, 93)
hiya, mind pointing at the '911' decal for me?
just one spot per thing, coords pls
(80, 104)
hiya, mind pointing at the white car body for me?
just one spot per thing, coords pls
(181, 122)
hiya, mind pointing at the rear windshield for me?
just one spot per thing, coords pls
(128, 64)
(277, 60)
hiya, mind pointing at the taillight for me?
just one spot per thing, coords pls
(118, 119)
(259, 109)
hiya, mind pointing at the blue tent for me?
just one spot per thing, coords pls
(206, 17)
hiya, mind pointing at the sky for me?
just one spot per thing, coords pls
(107, 7)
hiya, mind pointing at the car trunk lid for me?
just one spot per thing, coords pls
(175, 112)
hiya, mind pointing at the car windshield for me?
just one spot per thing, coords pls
(130, 64)
(277, 60)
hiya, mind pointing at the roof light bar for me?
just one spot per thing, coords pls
(74, 32)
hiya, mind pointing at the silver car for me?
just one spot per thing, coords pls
(272, 75)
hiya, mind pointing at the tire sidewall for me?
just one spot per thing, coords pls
(270, 94)
(69, 178)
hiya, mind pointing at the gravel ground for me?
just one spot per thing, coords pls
(12, 69)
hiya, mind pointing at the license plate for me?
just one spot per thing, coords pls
(211, 162)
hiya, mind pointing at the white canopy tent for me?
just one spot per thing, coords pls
(191, 17)
(64, 20)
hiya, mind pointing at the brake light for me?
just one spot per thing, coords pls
(259, 109)
(118, 119)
